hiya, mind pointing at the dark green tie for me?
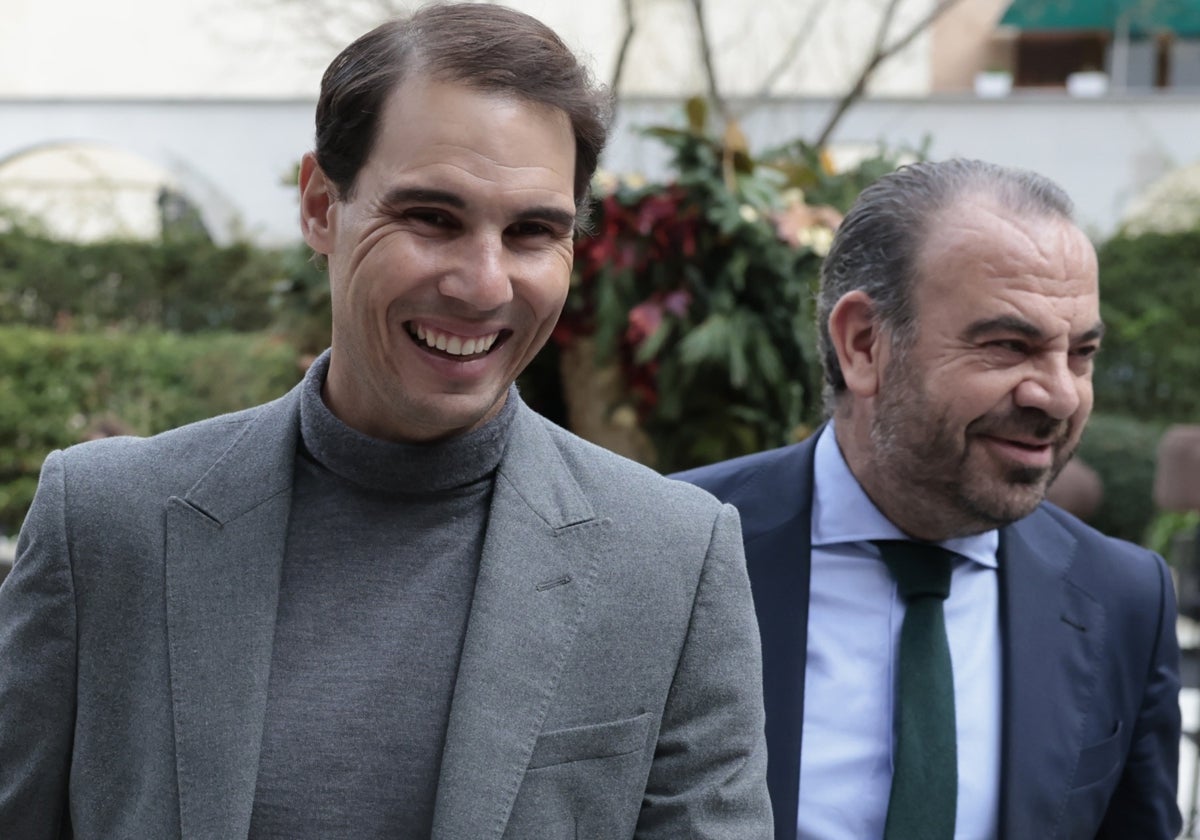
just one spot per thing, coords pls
(925, 775)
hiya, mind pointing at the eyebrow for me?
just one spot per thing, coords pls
(423, 195)
(404, 195)
(1022, 327)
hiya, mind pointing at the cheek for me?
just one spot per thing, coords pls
(1087, 400)
(547, 293)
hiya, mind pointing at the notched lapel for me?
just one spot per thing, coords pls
(540, 557)
(1054, 632)
(224, 550)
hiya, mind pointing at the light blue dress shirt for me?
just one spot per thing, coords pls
(854, 619)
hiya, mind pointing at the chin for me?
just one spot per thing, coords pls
(1003, 506)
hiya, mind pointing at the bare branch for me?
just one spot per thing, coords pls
(920, 26)
(706, 56)
(623, 50)
(794, 47)
(881, 53)
(329, 23)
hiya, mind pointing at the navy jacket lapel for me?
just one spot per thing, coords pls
(224, 551)
(773, 494)
(1053, 631)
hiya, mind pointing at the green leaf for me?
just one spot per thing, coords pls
(653, 343)
(708, 342)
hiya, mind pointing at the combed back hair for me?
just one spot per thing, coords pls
(489, 48)
(876, 246)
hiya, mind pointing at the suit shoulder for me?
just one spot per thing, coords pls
(624, 484)
(1102, 563)
(181, 453)
(1093, 541)
(731, 480)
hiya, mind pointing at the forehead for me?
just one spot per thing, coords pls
(454, 131)
(980, 255)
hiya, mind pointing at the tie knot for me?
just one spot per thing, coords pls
(920, 569)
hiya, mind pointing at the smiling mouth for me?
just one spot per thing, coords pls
(455, 346)
(1040, 446)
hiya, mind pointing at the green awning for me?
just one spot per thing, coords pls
(1181, 17)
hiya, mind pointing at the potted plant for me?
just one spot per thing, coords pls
(993, 83)
(688, 334)
(1089, 81)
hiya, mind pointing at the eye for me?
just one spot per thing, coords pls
(1085, 351)
(1009, 345)
(430, 216)
(531, 229)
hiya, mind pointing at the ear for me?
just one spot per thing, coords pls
(317, 203)
(861, 342)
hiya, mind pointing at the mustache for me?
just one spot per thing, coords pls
(1023, 423)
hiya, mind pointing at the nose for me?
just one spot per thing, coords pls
(1051, 386)
(481, 274)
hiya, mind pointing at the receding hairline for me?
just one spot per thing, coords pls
(1008, 203)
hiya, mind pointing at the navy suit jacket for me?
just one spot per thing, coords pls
(1091, 726)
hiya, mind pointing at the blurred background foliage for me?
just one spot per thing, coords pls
(1150, 302)
(687, 337)
(61, 387)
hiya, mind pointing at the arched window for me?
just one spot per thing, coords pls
(86, 192)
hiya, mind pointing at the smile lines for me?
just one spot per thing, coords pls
(453, 344)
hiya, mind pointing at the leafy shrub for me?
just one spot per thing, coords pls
(55, 386)
(300, 302)
(182, 283)
(1150, 301)
(1168, 530)
(701, 290)
(1124, 452)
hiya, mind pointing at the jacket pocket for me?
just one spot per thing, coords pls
(600, 740)
(1099, 760)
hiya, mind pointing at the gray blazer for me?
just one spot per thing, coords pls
(609, 684)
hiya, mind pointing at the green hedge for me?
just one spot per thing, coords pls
(1149, 366)
(1124, 452)
(182, 284)
(54, 387)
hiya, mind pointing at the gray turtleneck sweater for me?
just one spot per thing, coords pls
(383, 547)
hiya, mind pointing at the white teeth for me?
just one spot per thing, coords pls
(454, 345)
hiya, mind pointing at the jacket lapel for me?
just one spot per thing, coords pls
(1053, 632)
(775, 504)
(539, 559)
(224, 551)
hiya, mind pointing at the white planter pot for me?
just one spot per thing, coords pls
(1087, 83)
(993, 84)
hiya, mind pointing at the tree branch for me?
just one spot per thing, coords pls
(706, 56)
(879, 54)
(622, 52)
(802, 34)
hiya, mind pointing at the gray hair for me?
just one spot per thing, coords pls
(876, 246)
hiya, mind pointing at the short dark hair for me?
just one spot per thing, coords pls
(487, 47)
(876, 246)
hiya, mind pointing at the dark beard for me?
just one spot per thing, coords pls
(928, 462)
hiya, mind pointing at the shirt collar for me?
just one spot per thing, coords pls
(843, 513)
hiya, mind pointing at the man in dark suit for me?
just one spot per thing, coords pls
(959, 314)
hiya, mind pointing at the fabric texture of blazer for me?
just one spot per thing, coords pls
(609, 683)
(1091, 722)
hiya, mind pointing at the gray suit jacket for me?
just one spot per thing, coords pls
(609, 684)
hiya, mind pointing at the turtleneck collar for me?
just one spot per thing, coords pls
(399, 467)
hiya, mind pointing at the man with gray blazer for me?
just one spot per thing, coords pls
(395, 602)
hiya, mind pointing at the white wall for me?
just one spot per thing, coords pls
(275, 48)
(232, 156)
